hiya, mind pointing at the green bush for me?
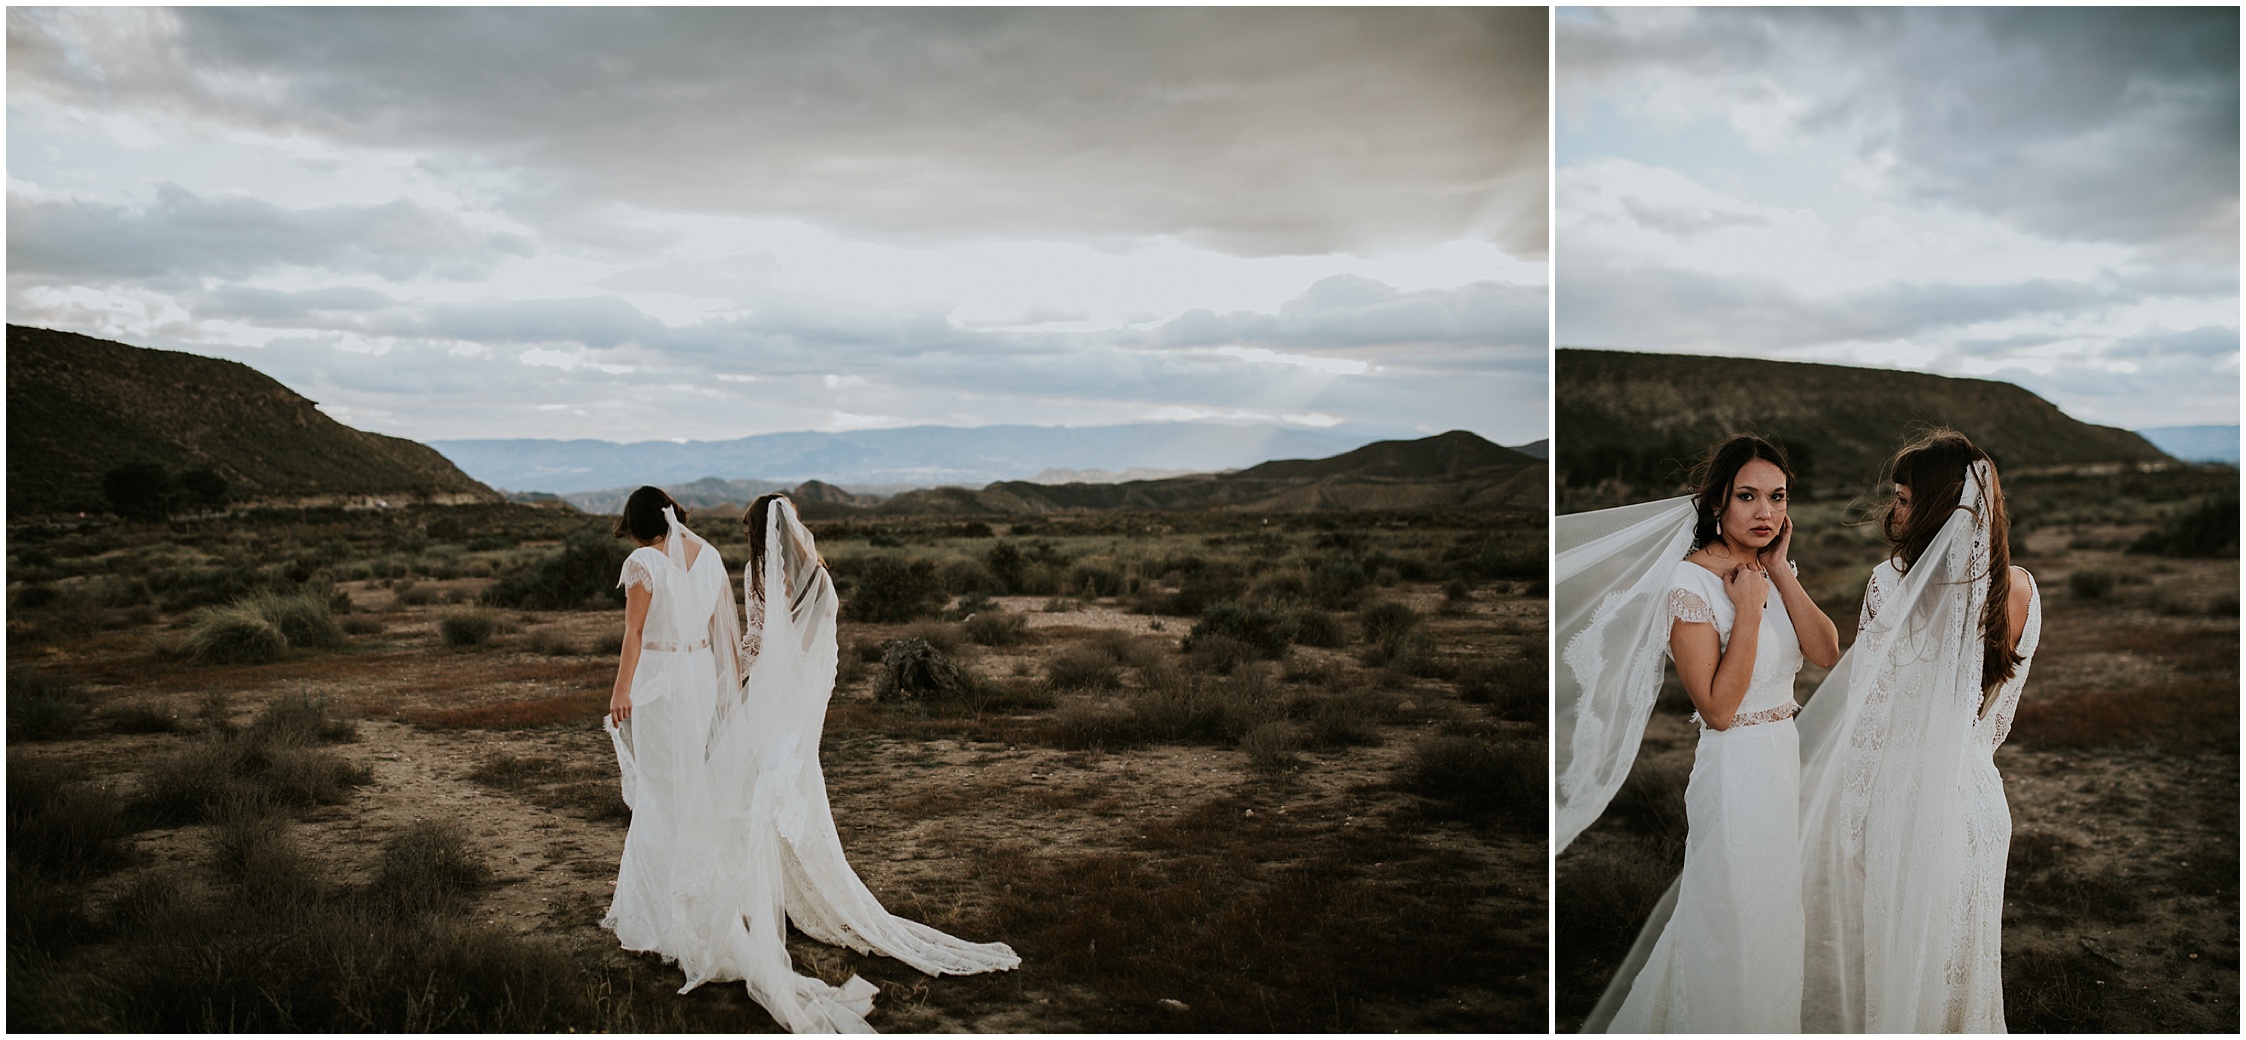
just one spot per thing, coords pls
(2206, 530)
(429, 866)
(467, 626)
(1083, 668)
(1269, 633)
(2090, 584)
(305, 618)
(995, 627)
(890, 589)
(552, 642)
(1089, 580)
(234, 634)
(1221, 654)
(1392, 633)
(67, 828)
(41, 707)
(1315, 627)
(582, 576)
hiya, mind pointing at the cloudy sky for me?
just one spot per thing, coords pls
(2048, 197)
(634, 224)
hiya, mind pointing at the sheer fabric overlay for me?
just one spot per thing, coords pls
(1892, 744)
(1611, 570)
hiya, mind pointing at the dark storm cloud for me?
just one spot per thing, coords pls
(1257, 132)
(181, 237)
(2107, 124)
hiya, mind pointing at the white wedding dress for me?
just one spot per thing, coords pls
(740, 839)
(1973, 967)
(1730, 959)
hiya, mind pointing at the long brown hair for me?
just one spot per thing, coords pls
(1713, 476)
(758, 518)
(1933, 466)
(643, 514)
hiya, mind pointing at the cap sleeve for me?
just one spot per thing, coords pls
(636, 573)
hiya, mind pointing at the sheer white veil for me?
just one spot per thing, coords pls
(786, 856)
(1883, 745)
(1611, 572)
(1884, 752)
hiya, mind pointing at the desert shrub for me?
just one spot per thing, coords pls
(1098, 726)
(966, 577)
(1205, 586)
(1267, 632)
(41, 707)
(1651, 802)
(1179, 706)
(275, 758)
(252, 847)
(1515, 689)
(189, 783)
(429, 866)
(2091, 584)
(140, 716)
(1271, 747)
(1315, 627)
(1480, 777)
(552, 642)
(361, 625)
(1083, 668)
(994, 627)
(887, 589)
(467, 626)
(945, 638)
(298, 721)
(976, 529)
(1089, 580)
(306, 618)
(2207, 529)
(1317, 671)
(608, 644)
(1350, 719)
(1334, 581)
(235, 634)
(582, 576)
(914, 672)
(1124, 648)
(308, 776)
(1392, 633)
(65, 828)
(1221, 654)
(1280, 588)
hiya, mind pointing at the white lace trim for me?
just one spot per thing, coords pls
(1685, 606)
(674, 648)
(636, 573)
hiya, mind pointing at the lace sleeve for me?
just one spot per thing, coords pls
(752, 634)
(1872, 598)
(636, 573)
(1685, 606)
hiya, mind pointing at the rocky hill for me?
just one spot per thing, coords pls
(79, 407)
(1455, 470)
(1636, 421)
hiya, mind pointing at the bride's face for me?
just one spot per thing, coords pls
(1899, 513)
(1757, 505)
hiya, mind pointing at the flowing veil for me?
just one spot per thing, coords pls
(786, 857)
(1883, 745)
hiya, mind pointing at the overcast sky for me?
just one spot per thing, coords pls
(636, 224)
(2045, 196)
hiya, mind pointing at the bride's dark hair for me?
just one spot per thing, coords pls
(1933, 466)
(758, 519)
(1712, 477)
(643, 514)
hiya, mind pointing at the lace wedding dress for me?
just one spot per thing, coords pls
(1973, 980)
(1729, 960)
(749, 835)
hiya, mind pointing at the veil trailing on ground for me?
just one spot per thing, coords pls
(1883, 745)
(785, 859)
(1611, 570)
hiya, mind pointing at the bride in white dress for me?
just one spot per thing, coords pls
(1729, 958)
(731, 836)
(1905, 826)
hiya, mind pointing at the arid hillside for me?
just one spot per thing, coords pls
(79, 407)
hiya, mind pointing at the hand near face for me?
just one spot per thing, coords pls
(1774, 554)
(1748, 587)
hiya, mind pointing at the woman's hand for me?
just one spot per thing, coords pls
(620, 705)
(1748, 588)
(1773, 556)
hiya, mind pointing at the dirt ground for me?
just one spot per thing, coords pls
(979, 825)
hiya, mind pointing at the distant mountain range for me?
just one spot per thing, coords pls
(1455, 470)
(1637, 421)
(2196, 443)
(79, 407)
(894, 459)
